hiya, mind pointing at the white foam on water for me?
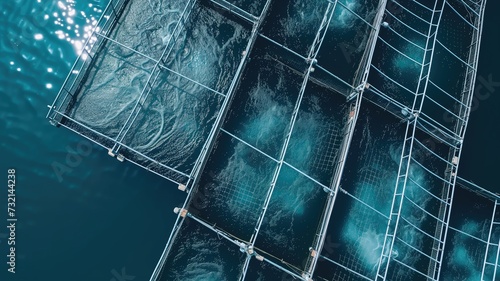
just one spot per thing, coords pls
(175, 121)
(156, 127)
(302, 17)
(268, 116)
(245, 194)
(367, 242)
(262, 128)
(460, 256)
(345, 19)
(464, 259)
(198, 58)
(474, 228)
(309, 134)
(367, 239)
(402, 63)
(199, 258)
(294, 192)
(418, 218)
(101, 107)
(205, 51)
(288, 211)
(203, 271)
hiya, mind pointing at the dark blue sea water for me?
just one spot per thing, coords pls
(480, 153)
(82, 215)
(94, 217)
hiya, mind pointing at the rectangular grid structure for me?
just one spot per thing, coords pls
(399, 50)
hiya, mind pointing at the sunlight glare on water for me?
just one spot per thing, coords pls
(75, 26)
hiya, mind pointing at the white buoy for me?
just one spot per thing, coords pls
(306, 276)
(385, 24)
(120, 157)
(182, 211)
(405, 112)
(250, 250)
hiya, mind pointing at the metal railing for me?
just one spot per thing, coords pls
(416, 120)
(81, 66)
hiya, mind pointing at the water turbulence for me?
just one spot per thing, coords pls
(288, 230)
(366, 9)
(318, 132)
(397, 73)
(294, 23)
(293, 215)
(262, 271)
(421, 214)
(358, 225)
(345, 18)
(399, 54)
(343, 47)
(152, 23)
(201, 255)
(465, 258)
(117, 75)
(174, 122)
(170, 86)
(348, 12)
(261, 111)
(210, 48)
(407, 234)
(254, 7)
(443, 103)
(405, 65)
(233, 187)
(114, 85)
(180, 109)
(467, 239)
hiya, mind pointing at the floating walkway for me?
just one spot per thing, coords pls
(315, 140)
